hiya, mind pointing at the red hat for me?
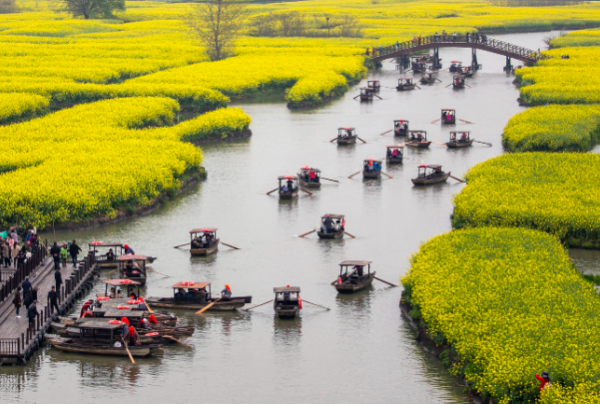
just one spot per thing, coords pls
(228, 288)
(125, 320)
(131, 329)
(153, 319)
(287, 286)
(126, 246)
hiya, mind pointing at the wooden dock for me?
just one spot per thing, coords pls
(17, 340)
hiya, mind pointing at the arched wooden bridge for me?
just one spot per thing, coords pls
(525, 55)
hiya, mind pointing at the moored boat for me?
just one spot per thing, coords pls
(190, 295)
(133, 268)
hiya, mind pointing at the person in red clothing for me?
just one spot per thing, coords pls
(544, 380)
(312, 176)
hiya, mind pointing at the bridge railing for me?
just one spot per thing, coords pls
(418, 42)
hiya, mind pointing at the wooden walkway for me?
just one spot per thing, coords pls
(460, 41)
(18, 341)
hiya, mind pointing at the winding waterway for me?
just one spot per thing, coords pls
(359, 351)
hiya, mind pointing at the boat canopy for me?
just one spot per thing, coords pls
(401, 120)
(102, 244)
(333, 216)
(373, 160)
(354, 262)
(287, 177)
(307, 168)
(117, 282)
(133, 257)
(448, 109)
(456, 132)
(398, 146)
(346, 128)
(284, 289)
(190, 285)
(372, 81)
(433, 166)
(99, 325)
(205, 230)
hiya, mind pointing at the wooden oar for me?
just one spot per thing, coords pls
(332, 140)
(304, 190)
(181, 245)
(387, 175)
(307, 233)
(230, 246)
(160, 273)
(358, 172)
(176, 340)
(208, 306)
(436, 120)
(479, 141)
(417, 86)
(448, 85)
(314, 304)
(457, 179)
(465, 121)
(439, 80)
(258, 305)
(468, 86)
(386, 132)
(329, 179)
(356, 97)
(381, 280)
(146, 303)
(270, 192)
(440, 144)
(377, 96)
(127, 349)
(360, 139)
(345, 232)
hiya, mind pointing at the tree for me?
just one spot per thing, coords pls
(349, 27)
(217, 24)
(93, 8)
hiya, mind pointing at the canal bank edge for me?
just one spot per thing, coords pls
(122, 213)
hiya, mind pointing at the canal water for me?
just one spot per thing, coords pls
(361, 350)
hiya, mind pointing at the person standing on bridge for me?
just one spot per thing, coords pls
(53, 300)
(468, 36)
(32, 313)
(55, 252)
(74, 249)
(58, 279)
(444, 35)
(454, 36)
(17, 300)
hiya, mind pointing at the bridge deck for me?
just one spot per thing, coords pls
(460, 41)
(17, 340)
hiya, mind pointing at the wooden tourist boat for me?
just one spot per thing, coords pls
(305, 174)
(374, 85)
(455, 66)
(346, 136)
(204, 242)
(101, 339)
(371, 169)
(458, 82)
(459, 139)
(288, 187)
(111, 296)
(366, 94)
(355, 280)
(400, 127)
(448, 116)
(394, 154)
(405, 84)
(287, 302)
(418, 64)
(417, 139)
(466, 71)
(190, 295)
(332, 226)
(428, 78)
(133, 268)
(430, 174)
(102, 252)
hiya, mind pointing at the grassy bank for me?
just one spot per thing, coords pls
(510, 304)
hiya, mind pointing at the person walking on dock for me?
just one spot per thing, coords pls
(55, 252)
(26, 285)
(6, 254)
(15, 253)
(74, 249)
(53, 300)
(58, 280)
(32, 313)
(17, 300)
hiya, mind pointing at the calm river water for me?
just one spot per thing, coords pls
(360, 351)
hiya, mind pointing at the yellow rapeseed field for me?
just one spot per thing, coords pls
(511, 304)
